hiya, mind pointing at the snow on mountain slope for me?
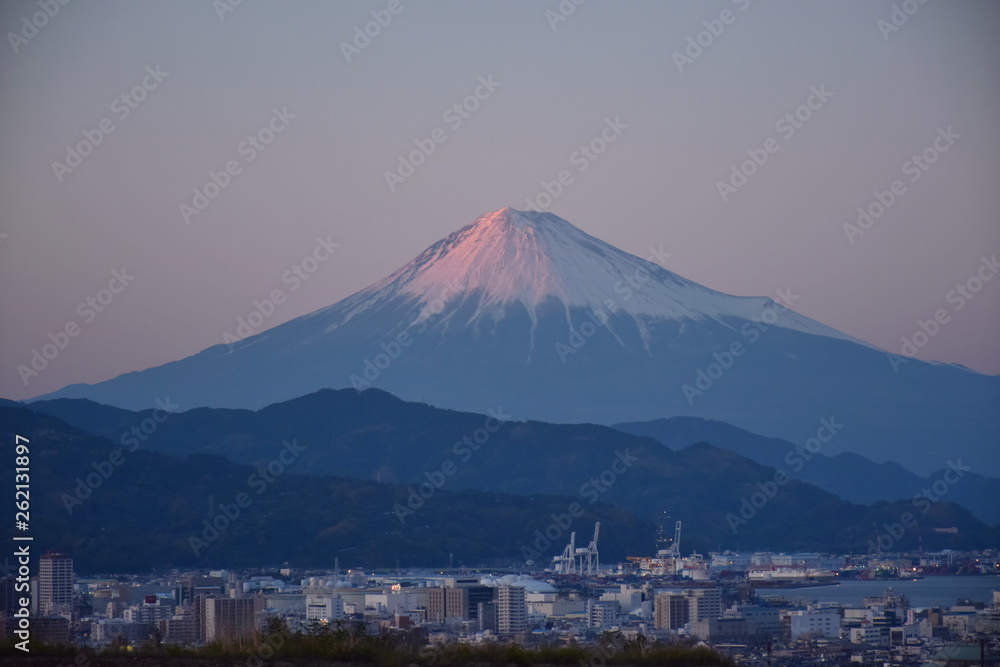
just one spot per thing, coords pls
(527, 257)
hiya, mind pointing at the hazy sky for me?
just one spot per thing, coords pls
(197, 86)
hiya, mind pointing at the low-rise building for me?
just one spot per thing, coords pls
(324, 605)
(106, 631)
(815, 621)
(716, 630)
(766, 620)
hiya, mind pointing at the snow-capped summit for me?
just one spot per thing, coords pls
(533, 258)
(510, 256)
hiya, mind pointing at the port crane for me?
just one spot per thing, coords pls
(579, 560)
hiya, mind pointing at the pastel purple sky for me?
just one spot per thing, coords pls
(323, 175)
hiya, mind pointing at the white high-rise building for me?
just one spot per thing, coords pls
(512, 611)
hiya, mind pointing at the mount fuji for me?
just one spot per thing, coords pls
(525, 312)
